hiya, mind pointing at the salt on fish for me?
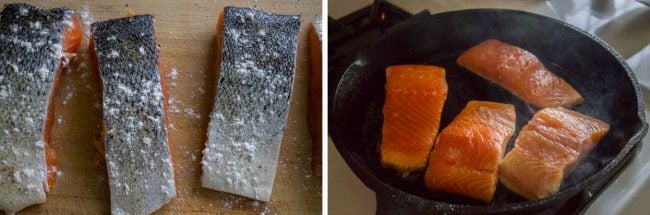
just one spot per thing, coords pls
(140, 171)
(46, 38)
(251, 106)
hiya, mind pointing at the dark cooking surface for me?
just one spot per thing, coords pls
(600, 76)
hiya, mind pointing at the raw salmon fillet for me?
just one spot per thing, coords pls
(467, 153)
(415, 95)
(135, 125)
(547, 149)
(519, 72)
(35, 45)
(315, 109)
(256, 69)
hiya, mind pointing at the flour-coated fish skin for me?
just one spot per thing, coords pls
(256, 75)
(34, 43)
(138, 158)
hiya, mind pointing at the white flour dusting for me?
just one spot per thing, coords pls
(113, 54)
(68, 96)
(192, 113)
(172, 76)
(176, 106)
(25, 91)
(172, 105)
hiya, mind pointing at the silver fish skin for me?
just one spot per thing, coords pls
(252, 102)
(31, 51)
(140, 171)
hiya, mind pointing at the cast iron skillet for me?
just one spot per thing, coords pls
(599, 73)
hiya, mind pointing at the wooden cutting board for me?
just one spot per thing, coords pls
(186, 32)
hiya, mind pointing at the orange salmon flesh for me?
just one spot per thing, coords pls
(415, 96)
(519, 72)
(547, 149)
(71, 42)
(468, 151)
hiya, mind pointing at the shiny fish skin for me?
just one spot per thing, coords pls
(140, 171)
(252, 102)
(31, 50)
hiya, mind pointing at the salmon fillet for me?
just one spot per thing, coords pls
(256, 63)
(72, 36)
(314, 116)
(35, 45)
(519, 72)
(468, 151)
(135, 126)
(547, 149)
(415, 96)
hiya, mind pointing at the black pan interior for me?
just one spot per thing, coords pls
(592, 67)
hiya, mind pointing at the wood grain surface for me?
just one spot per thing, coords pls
(186, 32)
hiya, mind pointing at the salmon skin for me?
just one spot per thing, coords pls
(140, 171)
(415, 96)
(468, 151)
(547, 149)
(315, 111)
(252, 102)
(519, 72)
(34, 43)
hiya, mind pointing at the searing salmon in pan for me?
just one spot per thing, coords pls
(519, 72)
(415, 96)
(547, 149)
(466, 156)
